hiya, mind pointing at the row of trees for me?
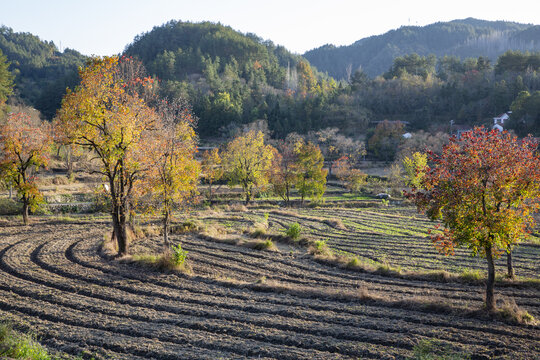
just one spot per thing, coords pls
(145, 148)
(256, 166)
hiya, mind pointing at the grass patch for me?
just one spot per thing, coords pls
(16, 345)
(471, 275)
(436, 350)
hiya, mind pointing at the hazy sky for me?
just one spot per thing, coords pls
(105, 27)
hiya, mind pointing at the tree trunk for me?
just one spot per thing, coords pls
(69, 161)
(511, 274)
(25, 211)
(166, 225)
(10, 191)
(120, 230)
(210, 194)
(248, 197)
(490, 284)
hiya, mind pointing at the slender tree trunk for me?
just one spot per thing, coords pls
(490, 284)
(25, 211)
(166, 226)
(248, 197)
(10, 191)
(287, 192)
(511, 274)
(69, 160)
(210, 195)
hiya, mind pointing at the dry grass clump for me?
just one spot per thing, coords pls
(510, 312)
(238, 208)
(259, 232)
(321, 249)
(162, 262)
(147, 231)
(337, 293)
(266, 245)
(188, 226)
(335, 223)
(214, 231)
(60, 180)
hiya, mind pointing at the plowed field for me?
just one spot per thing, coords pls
(55, 281)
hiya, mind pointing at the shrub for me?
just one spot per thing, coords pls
(294, 231)
(179, 255)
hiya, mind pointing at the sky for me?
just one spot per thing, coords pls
(105, 27)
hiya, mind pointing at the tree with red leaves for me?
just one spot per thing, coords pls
(484, 187)
(24, 146)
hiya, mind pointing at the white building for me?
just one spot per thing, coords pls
(499, 120)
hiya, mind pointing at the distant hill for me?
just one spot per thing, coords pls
(228, 76)
(462, 38)
(41, 71)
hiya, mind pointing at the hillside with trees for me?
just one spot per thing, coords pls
(233, 78)
(42, 72)
(461, 38)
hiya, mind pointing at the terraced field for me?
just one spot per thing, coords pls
(397, 236)
(239, 303)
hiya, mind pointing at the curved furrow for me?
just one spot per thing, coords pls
(306, 325)
(372, 339)
(270, 338)
(337, 309)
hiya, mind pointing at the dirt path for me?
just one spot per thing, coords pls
(55, 281)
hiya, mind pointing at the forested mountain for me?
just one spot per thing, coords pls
(461, 38)
(41, 71)
(233, 78)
